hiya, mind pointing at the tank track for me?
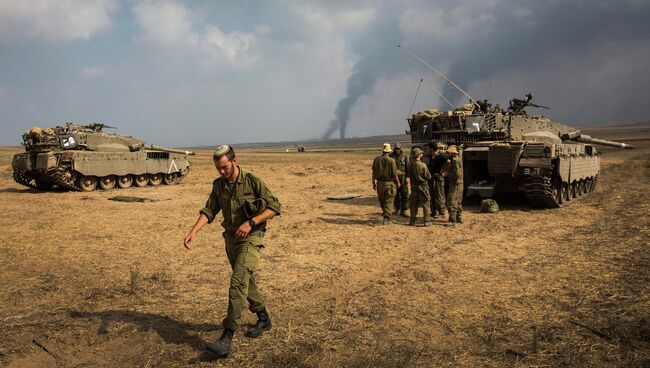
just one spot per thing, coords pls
(183, 175)
(22, 178)
(539, 191)
(64, 178)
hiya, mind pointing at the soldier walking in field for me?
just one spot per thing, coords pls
(437, 162)
(246, 204)
(419, 176)
(385, 182)
(455, 194)
(402, 196)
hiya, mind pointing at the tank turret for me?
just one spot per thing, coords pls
(84, 158)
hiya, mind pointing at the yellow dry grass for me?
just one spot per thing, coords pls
(108, 284)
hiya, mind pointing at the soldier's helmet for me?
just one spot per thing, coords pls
(417, 152)
(452, 149)
(397, 146)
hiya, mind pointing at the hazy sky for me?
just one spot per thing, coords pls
(185, 73)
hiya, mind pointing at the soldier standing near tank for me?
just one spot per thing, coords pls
(385, 182)
(420, 177)
(246, 204)
(402, 196)
(437, 162)
(455, 194)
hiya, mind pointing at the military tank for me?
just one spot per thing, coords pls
(85, 158)
(509, 151)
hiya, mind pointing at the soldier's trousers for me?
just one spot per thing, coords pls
(438, 194)
(386, 194)
(244, 257)
(420, 198)
(455, 199)
(402, 196)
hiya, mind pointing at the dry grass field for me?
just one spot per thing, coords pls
(99, 283)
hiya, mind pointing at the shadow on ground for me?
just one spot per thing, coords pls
(170, 330)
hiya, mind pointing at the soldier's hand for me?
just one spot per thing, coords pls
(187, 243)
(243, 230)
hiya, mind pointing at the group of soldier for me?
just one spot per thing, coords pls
(403, 181)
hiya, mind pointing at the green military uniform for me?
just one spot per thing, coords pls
(438, 194)
(437, 184)
(402, 196)
(419, 175)
(455, 194)
(384, 170)
(243, 253)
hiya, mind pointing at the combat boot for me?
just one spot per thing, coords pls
(434, 215)
(385, 221)
(223, 346)
(427, 223)
(263, 324)
(403, 213)
(412, 222)
(459, 219)
(452, 218)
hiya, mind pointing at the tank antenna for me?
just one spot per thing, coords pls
(439, 73)
(431, 84)
(414, 98)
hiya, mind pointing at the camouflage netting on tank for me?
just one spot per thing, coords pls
(426, 114)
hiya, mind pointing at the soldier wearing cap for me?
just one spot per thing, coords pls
(402, 162)
(385, 182)
(455, 194)
(246, 204)
(419, 176)
(437, 162)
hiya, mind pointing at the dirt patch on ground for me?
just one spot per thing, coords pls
(104, 283)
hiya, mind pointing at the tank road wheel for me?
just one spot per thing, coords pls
(592, 184)
(155, 179)
(107, 182)
(141, 180)
(566, 192)
(87, 183)
(557, 191)
(124, 181)
(169, 179)
(574, 189)
(581, 187)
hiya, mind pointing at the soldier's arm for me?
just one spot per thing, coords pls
(262, 191)
(200, 222)
(374, 177)
(206, 215)
(272, 208)
(393, 168)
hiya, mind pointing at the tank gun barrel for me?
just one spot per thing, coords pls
(165, 149)
(583, 138)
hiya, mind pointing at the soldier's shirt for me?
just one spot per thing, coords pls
(230, 199)
(384, 168)
(401, 161)
(436, 165)
(456, 170)
(419, 173)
